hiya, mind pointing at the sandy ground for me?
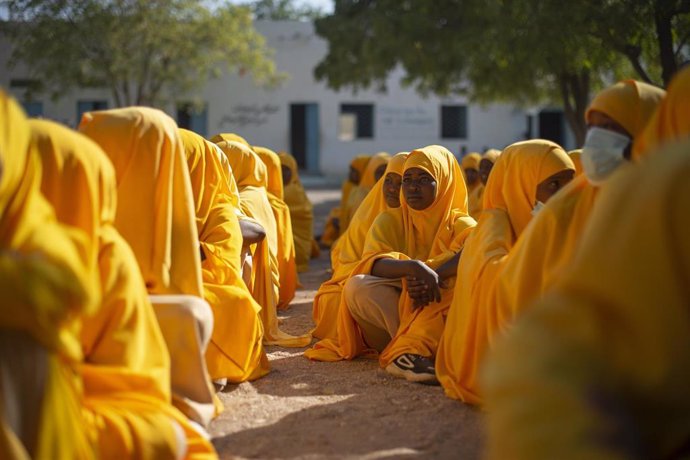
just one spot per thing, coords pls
(352, 409)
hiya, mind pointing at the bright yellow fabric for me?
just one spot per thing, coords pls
(250, 175)
(600, 365)
(126, 369)
(301, 214)
(671, 121)
(331, 233)
(45, 280)
(287, 266)
(552, 240)
(432, 235)
(471, 161)
(230, 137)
(476, 196)
(346, 255)
(360, 191)
(155, 211)
(473, 318)
(576, 156)
(236, 350)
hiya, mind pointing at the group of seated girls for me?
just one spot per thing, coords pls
(141, 266)
(559, 301)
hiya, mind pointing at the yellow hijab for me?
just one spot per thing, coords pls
(273, 171)
(612, 330)
(155, 212)
(301, 214)
(476, 196)
(230, 137)
(474, 318)
(432, 235)
(250, 175)
(359, 163)
(45, 279)
(671, 121)
(471, 161)
(360, 191)
(236, 351)
(576, 156)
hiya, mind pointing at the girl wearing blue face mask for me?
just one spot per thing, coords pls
(616, 116)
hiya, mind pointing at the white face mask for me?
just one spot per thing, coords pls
(537, 207)
(602, 154)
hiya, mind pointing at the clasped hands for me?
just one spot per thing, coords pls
(424, 284)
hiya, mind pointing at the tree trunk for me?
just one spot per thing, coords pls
(575, 96)
(663, 15)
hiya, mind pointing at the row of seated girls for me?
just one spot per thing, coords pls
(573, 267)
(141, 265)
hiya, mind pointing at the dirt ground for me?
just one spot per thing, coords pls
(351, 409)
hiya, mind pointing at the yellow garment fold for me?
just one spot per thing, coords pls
(476, 196)
(236, 351)
(474, 318)
(301, 214)
(360, 191)
(432, 235)
(576, 156)
(250, 175)
(598, 368)
(46, 281)
(347, 253)
(287, 266)
(218, 138)
(471, 161)
(331, 232)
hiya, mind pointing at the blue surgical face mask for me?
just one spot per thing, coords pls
(537, 207)
(602, 153)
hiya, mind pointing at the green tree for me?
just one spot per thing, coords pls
(145, 51)
(284, 10)
(527, 52)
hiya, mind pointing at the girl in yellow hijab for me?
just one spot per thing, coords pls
(599, 367)
(250, 175)
(235, 353)
(301, 212)
(470, 169)
(526, 173)
(333, 227)
(476, 196)
(45, 278)
(287, 266)
(155, 215)
(551, 241)
(397, 297)
(350, 246)
(126, 370)
(373, 172)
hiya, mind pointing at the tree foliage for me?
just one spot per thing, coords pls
(284, 10)
(523, 51)
(144, 51)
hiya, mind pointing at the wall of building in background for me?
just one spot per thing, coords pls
(323, 128)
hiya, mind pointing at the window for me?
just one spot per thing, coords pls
(193, 117)
(356, 121)
(89, 106)
(33, 108)
(454, 121)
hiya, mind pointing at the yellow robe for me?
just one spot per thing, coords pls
(346, 255)
(126, 370)
(552, 240)
(474, 319)
(250, 175)
(360, 191)
(433, 235)
(236, 350)
(330, 232)
(155, 215)
(301, 214)
(287, 265)
(45, 279)
(598, 368)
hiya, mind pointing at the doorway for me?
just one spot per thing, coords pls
(304, 135)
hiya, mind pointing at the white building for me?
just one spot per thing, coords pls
(323, 128)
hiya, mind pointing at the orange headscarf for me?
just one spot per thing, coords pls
(274, 173)
(360, 191)
(474, 318)
(155, 212)
(471, 161)
(576, 156)
(218, 138)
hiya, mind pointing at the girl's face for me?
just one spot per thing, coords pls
(419, 188)
(391, 189)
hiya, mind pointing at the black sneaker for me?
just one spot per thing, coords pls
(414, 368)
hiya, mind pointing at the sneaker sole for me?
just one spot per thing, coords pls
(410, 376)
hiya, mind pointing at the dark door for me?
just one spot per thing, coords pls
(304, 135)
(551, 126)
